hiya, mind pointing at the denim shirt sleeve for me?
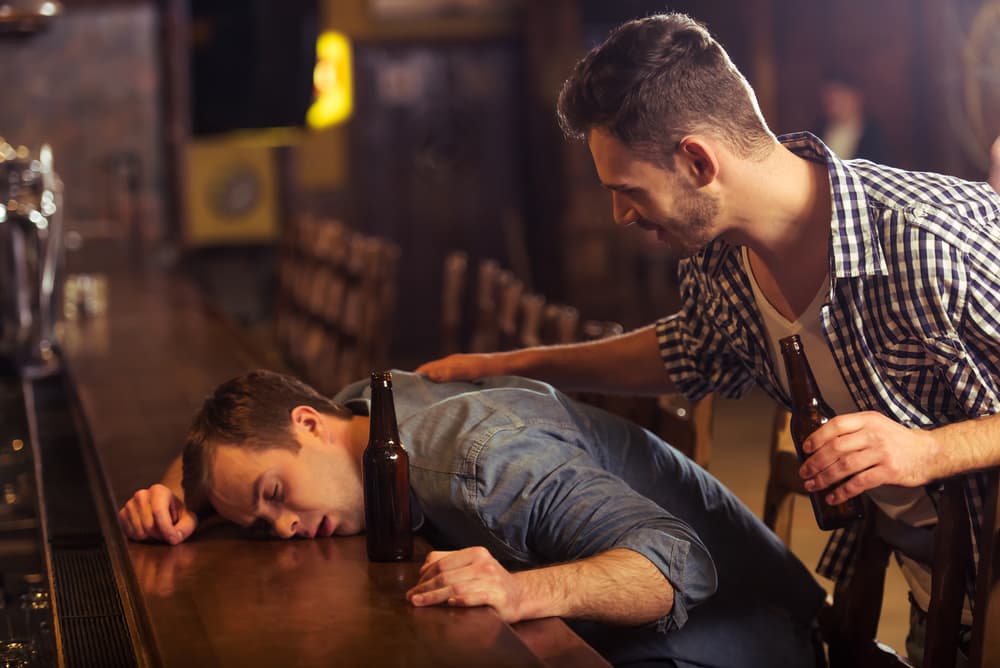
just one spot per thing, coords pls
(546, 499)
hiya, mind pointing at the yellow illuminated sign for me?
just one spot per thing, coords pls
(333, 82)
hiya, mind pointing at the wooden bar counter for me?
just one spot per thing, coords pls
(225, 598)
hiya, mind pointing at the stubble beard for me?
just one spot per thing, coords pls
(694, 227)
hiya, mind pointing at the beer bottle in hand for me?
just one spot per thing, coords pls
(386, 476)
(809, 411)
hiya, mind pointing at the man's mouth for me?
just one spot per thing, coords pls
(325, 527)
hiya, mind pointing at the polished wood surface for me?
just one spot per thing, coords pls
(143, 367)
(308, 603)
(225, 598)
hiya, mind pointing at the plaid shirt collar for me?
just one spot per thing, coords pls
(855, 249)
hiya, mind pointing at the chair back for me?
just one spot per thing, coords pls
(486, 328)
(337, 293)
(851, 624)
(559, 324)
(456, 268)
(532, 310)
(984, 650)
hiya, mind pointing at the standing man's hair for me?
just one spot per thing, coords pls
(657, 79)
(252, 411)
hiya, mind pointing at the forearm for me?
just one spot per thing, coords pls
(619, 586)
(627, 364)
(967, 446)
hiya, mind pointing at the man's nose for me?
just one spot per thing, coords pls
(286, 524)
(622, 210)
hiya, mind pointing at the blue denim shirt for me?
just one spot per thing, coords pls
(515, 466)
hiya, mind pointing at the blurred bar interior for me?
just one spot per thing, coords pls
(179, 129)
(328, 169)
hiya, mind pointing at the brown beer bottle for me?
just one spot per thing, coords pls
(386, 475)
(809, 411)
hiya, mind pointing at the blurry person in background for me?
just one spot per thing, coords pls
(994, 177)
(846, 127)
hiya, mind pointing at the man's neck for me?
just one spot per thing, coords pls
(358, 429)
(785, 225)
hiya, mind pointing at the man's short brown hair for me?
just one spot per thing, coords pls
(253, 411)
(657, 79)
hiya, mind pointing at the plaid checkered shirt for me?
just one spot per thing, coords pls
(911, 317)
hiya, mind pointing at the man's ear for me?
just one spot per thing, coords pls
(697, 159)
(307, 418)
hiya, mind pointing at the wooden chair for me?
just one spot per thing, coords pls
(532, 310)
(509, 292)
(336, 297)
(507, 316)
(984, 650)
(364, 328)
(783, 483)
(381, 286)
(850, 624)
(456, 267)
(559, 324)
(676, 411)
(486, 329)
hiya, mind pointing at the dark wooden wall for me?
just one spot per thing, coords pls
(917, 63)
(88, 85)
(435, 166)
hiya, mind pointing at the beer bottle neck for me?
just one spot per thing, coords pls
(383, 429)
(802, 387)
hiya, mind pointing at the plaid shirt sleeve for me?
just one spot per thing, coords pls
(695, 350)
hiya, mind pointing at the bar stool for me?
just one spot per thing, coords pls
(559, 324)
(456, 266)
(486, 330)
(850, 624)
(532, 308)
(509, 289)
(336, 297)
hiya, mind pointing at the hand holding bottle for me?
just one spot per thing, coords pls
(809, 413)
(856, 452)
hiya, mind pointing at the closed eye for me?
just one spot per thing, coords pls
(274, 495)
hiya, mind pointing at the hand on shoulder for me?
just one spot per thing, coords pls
(463, 366)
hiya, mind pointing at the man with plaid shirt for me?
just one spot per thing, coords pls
(889, 277)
